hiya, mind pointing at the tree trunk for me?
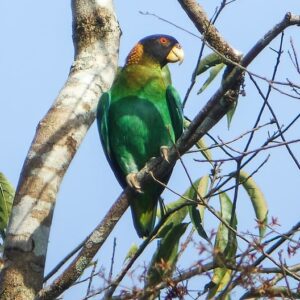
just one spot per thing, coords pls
(96, 40)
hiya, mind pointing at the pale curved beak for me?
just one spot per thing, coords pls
(176, 54)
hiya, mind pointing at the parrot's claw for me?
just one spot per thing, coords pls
(164, 152)
(132, 182)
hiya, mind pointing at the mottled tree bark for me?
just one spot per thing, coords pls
(96, 40)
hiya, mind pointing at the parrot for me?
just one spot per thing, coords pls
(139, 118)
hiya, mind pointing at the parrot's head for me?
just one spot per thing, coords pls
(158, 48)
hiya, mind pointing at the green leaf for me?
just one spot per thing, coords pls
(197, 222)
(226, 209)
(164, 259)
(258, 200)
(224, 249)
(197, 213)
(208, 62)
(228, 241)
(199, 187)
(212, 75)
(176, 218)
(202, 190)
(7, 194)
(201, 145)
(232, 95)
(231, 112)
(131, 252)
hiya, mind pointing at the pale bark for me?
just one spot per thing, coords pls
(58, 136)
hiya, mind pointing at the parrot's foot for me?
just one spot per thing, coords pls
(132, 182)
(164, 152)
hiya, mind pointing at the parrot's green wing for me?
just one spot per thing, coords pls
(175, 110)
(102, 122)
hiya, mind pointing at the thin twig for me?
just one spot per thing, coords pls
(258, 261)
(112, 287)
(91, 278)
(277, 124)
(294, 59)
(285, 276)
(267, 95)
(112, 260)
(257, 150)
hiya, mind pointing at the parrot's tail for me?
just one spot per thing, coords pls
(143, 209)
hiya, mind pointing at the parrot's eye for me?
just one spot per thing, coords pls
(163, 40)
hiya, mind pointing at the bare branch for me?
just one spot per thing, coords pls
(91, 247)
(91, 278)
(63, 261)
(294, 58)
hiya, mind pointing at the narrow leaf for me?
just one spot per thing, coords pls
(208, 62)
(225, 248)
(201, 145)
(197, 222)
(231, 112)
(199, 187)
(197, 213)
(164, 259)
(7, 193)
(176, 218)
(131, 252)
(258, 200)
(202, 191)
(232, 95)
(212, 75)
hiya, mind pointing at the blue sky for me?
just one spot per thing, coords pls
(35, 58)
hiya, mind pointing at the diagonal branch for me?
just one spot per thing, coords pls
(210, 33)
(89, 250)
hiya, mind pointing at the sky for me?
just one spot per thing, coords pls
(35, 58)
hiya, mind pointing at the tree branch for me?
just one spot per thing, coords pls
(210, 33)
(271, 292)
(89, 250)
(58, 136)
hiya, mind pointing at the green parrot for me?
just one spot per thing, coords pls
(140, 118)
